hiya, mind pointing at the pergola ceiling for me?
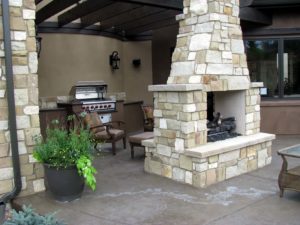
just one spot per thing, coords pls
(131, 18)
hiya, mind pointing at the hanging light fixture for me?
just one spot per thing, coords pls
(114, 60)
(38, 45)
(38, 41)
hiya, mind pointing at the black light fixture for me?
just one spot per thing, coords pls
(136, 62)
(38, 45)
(114, 60)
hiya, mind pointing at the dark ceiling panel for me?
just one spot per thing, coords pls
(254, 15)
(244, 3)
(107, 12)
(132, 15)
(53, 8)
(274, 3)
(81, 10)
(144, 21)
(168, 4)
(153, 26)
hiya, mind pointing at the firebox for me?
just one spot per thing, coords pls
(225, 115)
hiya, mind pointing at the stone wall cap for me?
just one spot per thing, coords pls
(228, 145)
(148, 143)
(257, 84)
(175, 87)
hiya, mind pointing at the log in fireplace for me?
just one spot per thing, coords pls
(221, 128)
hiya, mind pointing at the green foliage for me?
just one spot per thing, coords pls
(64, 148)
(85, 169)
(29, 217)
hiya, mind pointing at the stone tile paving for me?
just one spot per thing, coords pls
(127, 195)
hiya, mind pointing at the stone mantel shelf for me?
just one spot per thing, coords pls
(256, 84)
(175, 87)
(228, 145)
(149, 143)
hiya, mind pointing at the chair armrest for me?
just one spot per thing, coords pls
(119, 122)
(102, 125)
(149, 121)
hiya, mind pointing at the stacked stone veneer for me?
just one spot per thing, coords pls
(210, 47)
(24, 58)
(209, 57)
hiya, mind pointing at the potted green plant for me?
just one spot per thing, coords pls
(67, 159)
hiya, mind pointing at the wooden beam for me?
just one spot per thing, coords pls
(132, 15)
(153, 26)
(145, 21)
(81, 10)
(53, 8)
(107, 12)
(37, 1)
(168, 4)
(254, 15)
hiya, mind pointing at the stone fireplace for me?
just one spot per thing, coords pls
(209, 57)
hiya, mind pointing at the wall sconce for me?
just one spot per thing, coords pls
(114, 60)
(136, 62)
(38, 45)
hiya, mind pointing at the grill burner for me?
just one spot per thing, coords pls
(221, 129)
(99, 106)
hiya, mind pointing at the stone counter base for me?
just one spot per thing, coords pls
(202, 170)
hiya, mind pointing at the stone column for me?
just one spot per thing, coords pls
(180, 117)
(253, 108)
(25, 63)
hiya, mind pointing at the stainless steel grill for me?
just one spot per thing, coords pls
(92, 96)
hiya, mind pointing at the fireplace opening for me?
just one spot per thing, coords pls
(224, 119)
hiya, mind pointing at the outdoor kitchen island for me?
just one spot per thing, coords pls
(209, 58)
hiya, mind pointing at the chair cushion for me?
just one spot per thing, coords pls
(92, 120)
(116, 133)
(138, 138)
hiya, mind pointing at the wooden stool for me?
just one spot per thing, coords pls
(136, 140)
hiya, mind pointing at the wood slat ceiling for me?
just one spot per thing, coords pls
(134, 17)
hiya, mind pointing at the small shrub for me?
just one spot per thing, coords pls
(27, 216)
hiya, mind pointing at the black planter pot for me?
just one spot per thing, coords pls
(64, 184)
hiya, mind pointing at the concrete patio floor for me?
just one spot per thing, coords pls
(127, 195)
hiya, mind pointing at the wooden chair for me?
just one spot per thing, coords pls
(148, 117)
(105, 132)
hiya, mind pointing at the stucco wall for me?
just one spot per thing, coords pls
(68, 58)
(137, 79)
